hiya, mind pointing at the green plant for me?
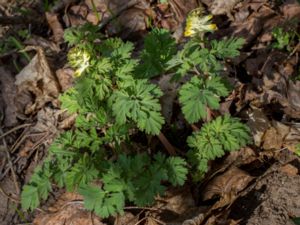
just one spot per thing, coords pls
(282, 39)
(224, 134)
(115, 101)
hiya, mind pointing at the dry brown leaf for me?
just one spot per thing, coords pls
(289, 170)
(38, 79)
(67, 210)
(8, 91)
(126, 219)
(223, 7)
(258, 124)
(272, 140)
(65, 78)
(227, 184)
(67, 122)
(291, 9)
(56, 27)
(129, 23)
(23, 152)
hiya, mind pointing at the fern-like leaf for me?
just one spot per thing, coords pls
(215, 138)
(227, 48)
(139, 102)
(159, 49)
(198, 94)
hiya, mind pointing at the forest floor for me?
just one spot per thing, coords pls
(260, 184)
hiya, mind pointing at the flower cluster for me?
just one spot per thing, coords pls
(196, 23)
(79, 59)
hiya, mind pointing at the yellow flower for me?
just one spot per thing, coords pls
(197, 23)
(79, 59)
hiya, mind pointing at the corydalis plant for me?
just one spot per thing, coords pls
(115, 100)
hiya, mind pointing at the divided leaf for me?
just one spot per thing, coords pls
(139, 102)
(198, 94)
(223, 134)
(159, 48)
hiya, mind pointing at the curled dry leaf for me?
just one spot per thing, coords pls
(67, 210)
(56, 27)
(8, 91)
(37, 78)
(229, 183)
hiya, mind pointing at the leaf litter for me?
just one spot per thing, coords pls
(257, 185)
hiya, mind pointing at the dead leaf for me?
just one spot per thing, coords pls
(8, 91)
(65, 78)
(126, 219)
(223, 7)
(289, 170)
(229, 183)
(272, 140)
(67, 210)
(68, 121)
(291, 9)
(49, 119)
(56, 27)
(258, 124)
(37, 78)
(23, 152)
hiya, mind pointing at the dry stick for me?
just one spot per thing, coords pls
(11, 165)
(14, 129)
(118, 12)
(167, 144)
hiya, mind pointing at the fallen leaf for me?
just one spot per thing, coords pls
(289, 170)
(126, 219)
(229, 183)
(223, 7)
(38, 79)
(258, 124)
(291, 9)
(65, 78)
(23, 152)
(271, 139)
(67, 210)
(56, 27)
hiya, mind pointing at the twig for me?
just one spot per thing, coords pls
(141, 208)
(14, 129)
(118, 12)
(167, 144)
(10, 164)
